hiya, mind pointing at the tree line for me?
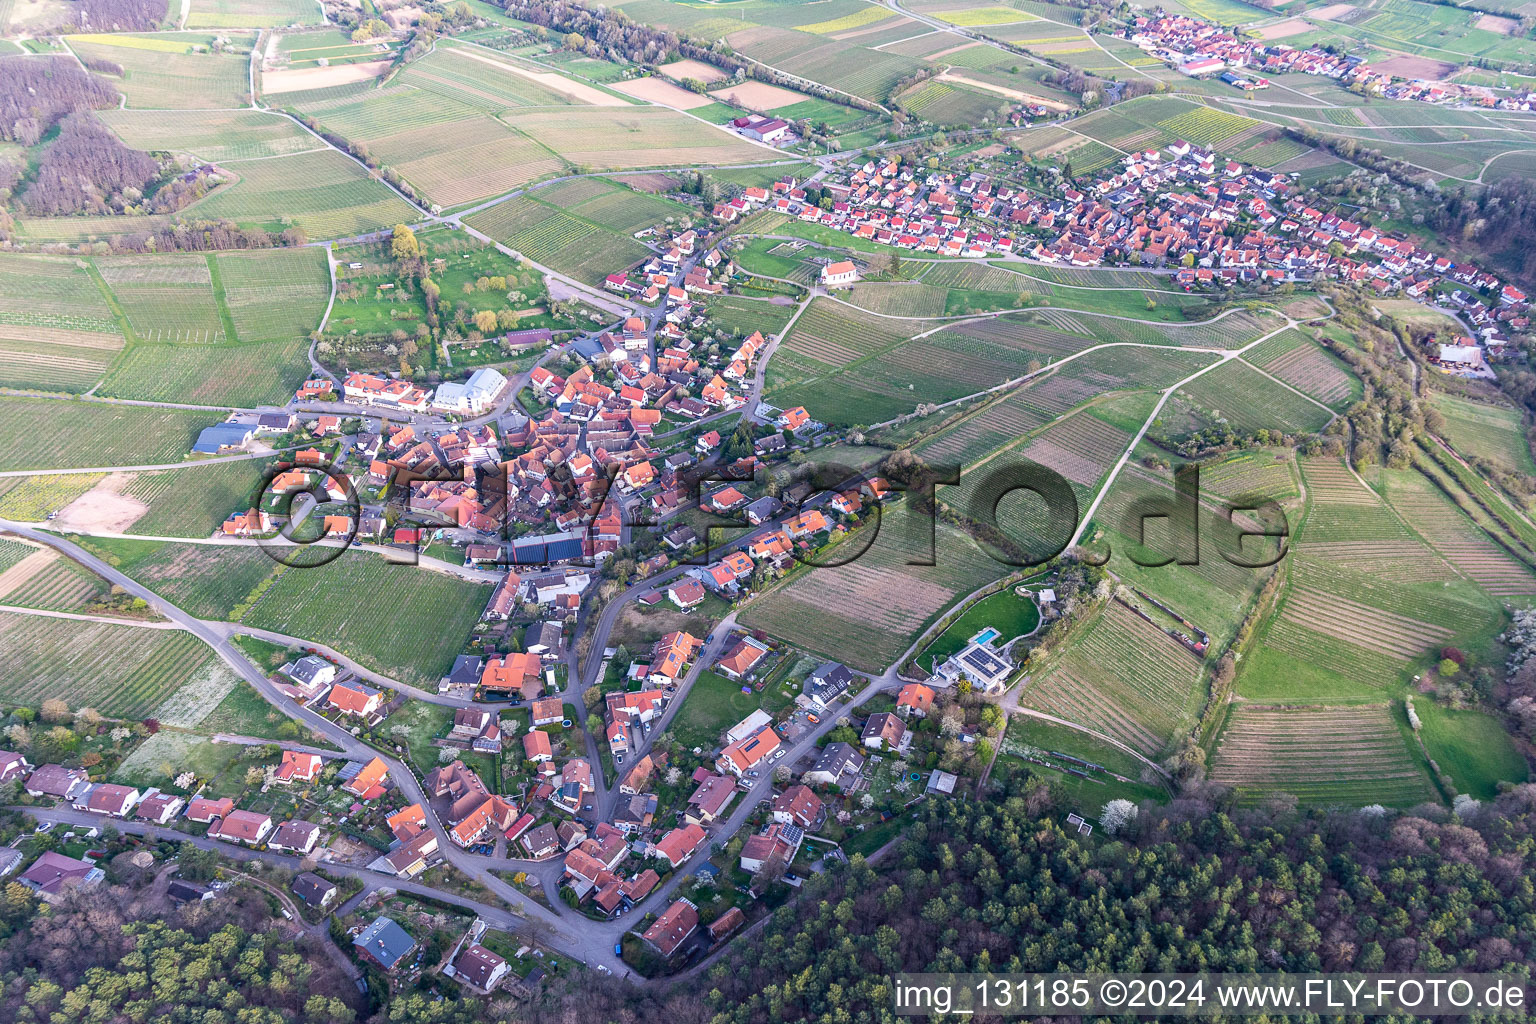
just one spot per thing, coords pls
(1000, 885)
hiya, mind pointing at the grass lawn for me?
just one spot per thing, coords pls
(244, 712)
(1488, 431)
(163, 756)
(1087, 795)
(876, 835)
(417, 724)
(1471, 747)
(1004, 611)
(1269, 675)
(714, 704)
(264, 654)
(1025, 732)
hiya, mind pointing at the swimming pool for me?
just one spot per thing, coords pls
(986, 636)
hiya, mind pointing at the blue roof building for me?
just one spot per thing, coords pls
(385, 943)
(221, 437)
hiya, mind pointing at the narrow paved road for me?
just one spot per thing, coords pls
(567, 935)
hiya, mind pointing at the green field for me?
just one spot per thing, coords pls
(252, 13)
(121, 671)
(209, 329)
(1471, 747)
(630, 137)
(869, 611)
(1122, 677)
(714, 704)
(307, 49)
(324, 193)
(356, 605)
(372, 298)
(213, 135)
(30, 499)
(44, 434)
(163, 71)
(743, 316)
(1483, 431)
(1238, 398)
(554, 238)
(206, 580)
(1033, 737)
(62, 585)
(1323, 756)
(57, 331)
(1004, 611)
(1214, 592)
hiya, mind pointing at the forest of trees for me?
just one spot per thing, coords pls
(115, 953)
(87, 169)
(36, 92)
(997, 885)
(110, 15)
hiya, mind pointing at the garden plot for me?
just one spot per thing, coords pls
(212, 135)
(39, 433)
(869, 611)
(170, 76)
(1302, 363)
(1348, 756)
(631, 137)
(1124, 677)
(1396, 636)
(121, 671)
(166, 298)
(239, 376)
(353, 604)
(1466, 547)
(57, 585)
